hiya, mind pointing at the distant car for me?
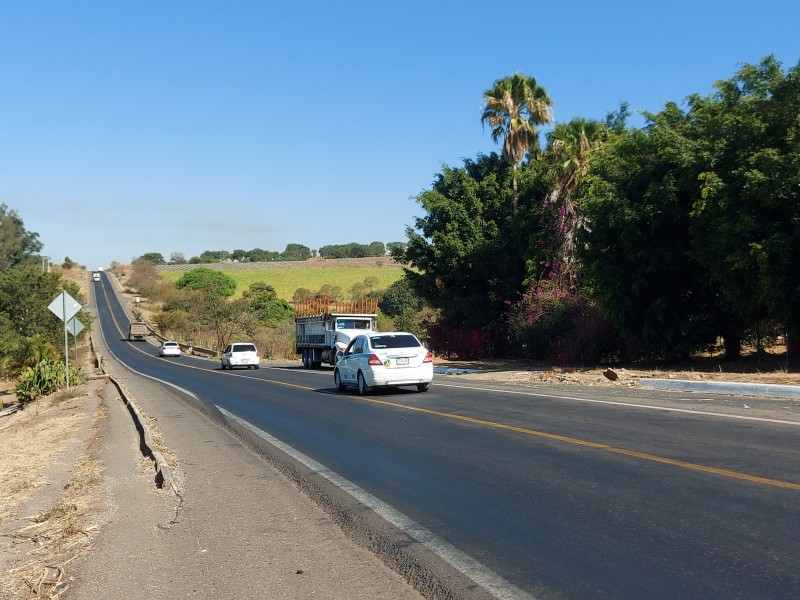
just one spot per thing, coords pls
(95, 276)
(240, 355)
(377, 360)
(169, 349)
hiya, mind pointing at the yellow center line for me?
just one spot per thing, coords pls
(595, 445)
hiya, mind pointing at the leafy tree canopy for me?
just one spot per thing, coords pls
(296, 252)
(16, 243)
(207, 280)
(154, 257)
(264, 301)
(400, 297)
(469, 251)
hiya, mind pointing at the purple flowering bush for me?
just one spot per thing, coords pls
(565, 328)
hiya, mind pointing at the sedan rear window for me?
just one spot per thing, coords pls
(243, 348)
(379, 342)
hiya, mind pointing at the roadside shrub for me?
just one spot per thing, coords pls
(44, 378)
(400, 297)
(561, 327)
(466, 344)
(144, 276)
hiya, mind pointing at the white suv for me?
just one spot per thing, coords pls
(240, 355)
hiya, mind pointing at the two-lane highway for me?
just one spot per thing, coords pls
(529, 494)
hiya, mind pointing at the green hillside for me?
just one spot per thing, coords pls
(286, 281)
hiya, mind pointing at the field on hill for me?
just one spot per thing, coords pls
(286, 277)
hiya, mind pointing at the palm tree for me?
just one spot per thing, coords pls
(514, 107)
(34, 349)
(570, 146)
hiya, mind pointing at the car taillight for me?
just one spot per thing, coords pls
(375, 361)
(428, 358)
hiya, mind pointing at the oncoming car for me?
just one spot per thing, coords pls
(376, 360)
(240, 355)
(169, 349)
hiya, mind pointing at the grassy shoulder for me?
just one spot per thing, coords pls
(52, 498)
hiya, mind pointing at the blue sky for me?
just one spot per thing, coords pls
(133, 127)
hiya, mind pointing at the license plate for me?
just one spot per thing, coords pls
(402, 361)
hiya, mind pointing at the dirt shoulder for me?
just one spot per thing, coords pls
(767, 371)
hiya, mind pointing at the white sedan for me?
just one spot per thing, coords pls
(240, 355)
(376, 360)
(169, 349)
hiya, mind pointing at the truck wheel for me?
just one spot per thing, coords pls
(337, 380)
(363, 388)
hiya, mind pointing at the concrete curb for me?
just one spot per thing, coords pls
(723, 387)
(146, 443)
(454, 371)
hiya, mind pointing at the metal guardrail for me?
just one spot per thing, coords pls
(188, 348)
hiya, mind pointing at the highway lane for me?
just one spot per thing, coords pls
(561, 498)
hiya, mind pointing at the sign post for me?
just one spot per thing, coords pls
(75, 327)
(65, 307)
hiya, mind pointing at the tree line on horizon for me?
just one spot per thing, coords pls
(293, 252)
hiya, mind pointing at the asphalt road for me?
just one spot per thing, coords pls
(532, 493)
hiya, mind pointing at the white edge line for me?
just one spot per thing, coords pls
(628, 404)
(463, 563)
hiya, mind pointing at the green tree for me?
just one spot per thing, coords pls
(514, 107)
(636, 258)
(400, 297)
(16, 243)
(154, 257)
(25, 293)
(296, 252)
(263, 300)
(210, 281)
(259, 255)
(745, 221)
(376, 249)
(468, 252)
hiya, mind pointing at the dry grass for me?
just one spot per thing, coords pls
(44, 543)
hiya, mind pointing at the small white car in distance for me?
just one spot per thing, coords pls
(169, 349)
(377, 360)
(240, 355)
